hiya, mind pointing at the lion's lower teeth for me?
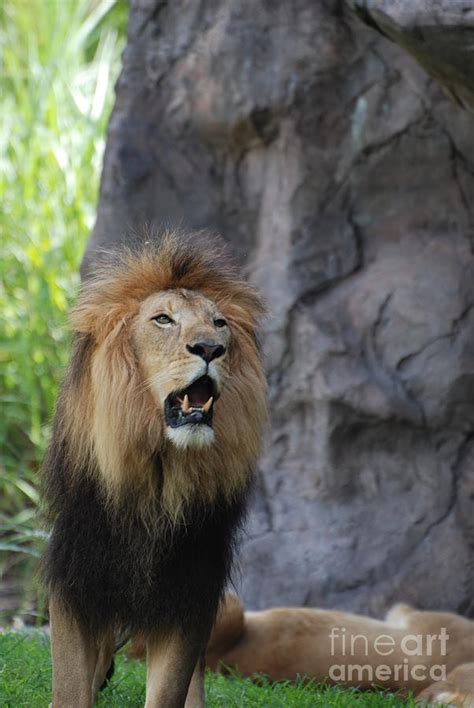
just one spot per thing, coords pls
(208, 405)
(186, 408)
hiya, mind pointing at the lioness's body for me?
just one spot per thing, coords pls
(156, 432)
(284, 643)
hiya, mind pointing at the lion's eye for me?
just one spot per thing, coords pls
(219, 322)
(163, 319)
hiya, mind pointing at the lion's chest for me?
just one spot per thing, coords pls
(122, 574)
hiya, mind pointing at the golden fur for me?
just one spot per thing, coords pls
(284, 643)
(112, 407)
(107, 320)
(457, 690)
(155, 437)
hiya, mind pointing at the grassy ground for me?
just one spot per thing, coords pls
(25, 675)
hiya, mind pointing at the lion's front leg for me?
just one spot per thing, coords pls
(171, 663)
(105, 654)
(196, 695)
(74, 655)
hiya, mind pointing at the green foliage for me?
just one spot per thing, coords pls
(25, 678)
(58, 63)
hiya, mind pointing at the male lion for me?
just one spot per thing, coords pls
(156, 432)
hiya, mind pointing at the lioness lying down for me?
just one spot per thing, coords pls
(409, 650)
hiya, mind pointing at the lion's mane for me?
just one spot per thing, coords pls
(126, 506)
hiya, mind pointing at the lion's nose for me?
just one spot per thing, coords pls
(206, 351)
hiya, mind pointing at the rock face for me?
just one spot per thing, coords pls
(438, 33)
(343, 176)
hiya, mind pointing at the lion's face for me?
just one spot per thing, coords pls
(165, 374)
(182, 342)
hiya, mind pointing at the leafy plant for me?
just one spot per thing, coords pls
(58, 63)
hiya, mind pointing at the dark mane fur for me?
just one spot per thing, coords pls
(110, 570)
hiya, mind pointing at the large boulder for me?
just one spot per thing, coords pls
(342, 176)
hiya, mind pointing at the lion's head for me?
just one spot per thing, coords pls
(165, 370)
(182, 341)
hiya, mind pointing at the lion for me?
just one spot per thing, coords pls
(156, 433)
(405, 652)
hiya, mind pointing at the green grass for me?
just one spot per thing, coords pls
(58, 63)
(25, 676)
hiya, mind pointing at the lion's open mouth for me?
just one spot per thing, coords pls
(192, 405)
